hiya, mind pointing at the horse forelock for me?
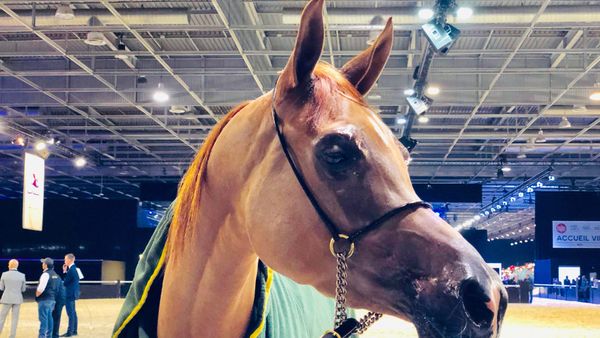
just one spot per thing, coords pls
(327, 82)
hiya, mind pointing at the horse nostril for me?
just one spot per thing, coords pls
(474, 300)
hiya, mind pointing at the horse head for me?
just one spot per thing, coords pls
(415, 266)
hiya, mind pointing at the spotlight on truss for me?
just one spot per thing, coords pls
(440, 36)
(419, 105)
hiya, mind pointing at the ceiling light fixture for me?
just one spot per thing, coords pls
(463, 13)
(179, 109)
(377, 23)
(40, 145)
(433, 90)
(540, 138)
(95, 39)
(64, 12)
(409, 92)
(19, 140)
(79, 162)
(400, 120)
(564, 123)
(423, 119)
(160, 95)
(425, 13)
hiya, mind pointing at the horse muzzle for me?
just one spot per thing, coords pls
(472, 309)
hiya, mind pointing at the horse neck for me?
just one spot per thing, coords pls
(209, 286)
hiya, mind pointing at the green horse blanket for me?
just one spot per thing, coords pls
(282, 308)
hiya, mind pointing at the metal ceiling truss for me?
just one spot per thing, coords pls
(515, 70)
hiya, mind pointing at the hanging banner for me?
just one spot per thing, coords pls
(576, 234)
(33, 192)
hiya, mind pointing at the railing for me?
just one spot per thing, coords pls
(568, 292)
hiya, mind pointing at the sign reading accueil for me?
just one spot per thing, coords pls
(33, 192)
(576, 234)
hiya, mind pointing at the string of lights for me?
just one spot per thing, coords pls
(502, 204)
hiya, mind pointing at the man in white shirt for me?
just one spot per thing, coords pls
(45, 297)
(12, 283)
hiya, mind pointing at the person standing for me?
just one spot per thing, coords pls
(13, 284)
(72, 293)
(60, 303)
(45, 297)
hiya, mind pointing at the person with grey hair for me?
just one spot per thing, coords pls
(12, 283)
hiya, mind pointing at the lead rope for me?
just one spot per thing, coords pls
(340, 289)
(344, 327)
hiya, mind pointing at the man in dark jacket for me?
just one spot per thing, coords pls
(60, 303)
(45, 297)
(71, 282)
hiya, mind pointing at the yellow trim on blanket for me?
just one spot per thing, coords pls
(264, 310)
(139, 305)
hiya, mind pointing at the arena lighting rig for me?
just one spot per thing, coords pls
(440, 38)
(501, 204)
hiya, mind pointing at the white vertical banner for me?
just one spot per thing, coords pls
(33, 192)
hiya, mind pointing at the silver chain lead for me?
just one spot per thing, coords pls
(367, 321)
(340, 289)
(340, 297)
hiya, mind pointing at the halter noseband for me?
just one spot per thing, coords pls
(340, 242)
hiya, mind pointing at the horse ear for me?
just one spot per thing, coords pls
(364, 69)
(306, 53)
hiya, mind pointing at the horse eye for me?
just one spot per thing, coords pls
(337, 152)
(334, 155)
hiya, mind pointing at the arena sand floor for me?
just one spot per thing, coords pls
(543, 319)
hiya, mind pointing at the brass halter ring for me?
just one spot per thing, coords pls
(342, 245)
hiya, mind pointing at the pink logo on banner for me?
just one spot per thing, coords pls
(561, 228)
(35, 184)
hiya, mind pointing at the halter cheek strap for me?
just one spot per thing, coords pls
(340, 242)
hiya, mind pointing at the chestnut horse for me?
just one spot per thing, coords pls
(251, 207)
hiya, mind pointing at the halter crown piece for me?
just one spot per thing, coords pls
(342, 246)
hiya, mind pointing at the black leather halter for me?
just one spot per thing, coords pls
(336, 234)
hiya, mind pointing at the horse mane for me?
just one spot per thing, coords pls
(327, 81)
(187, 203)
